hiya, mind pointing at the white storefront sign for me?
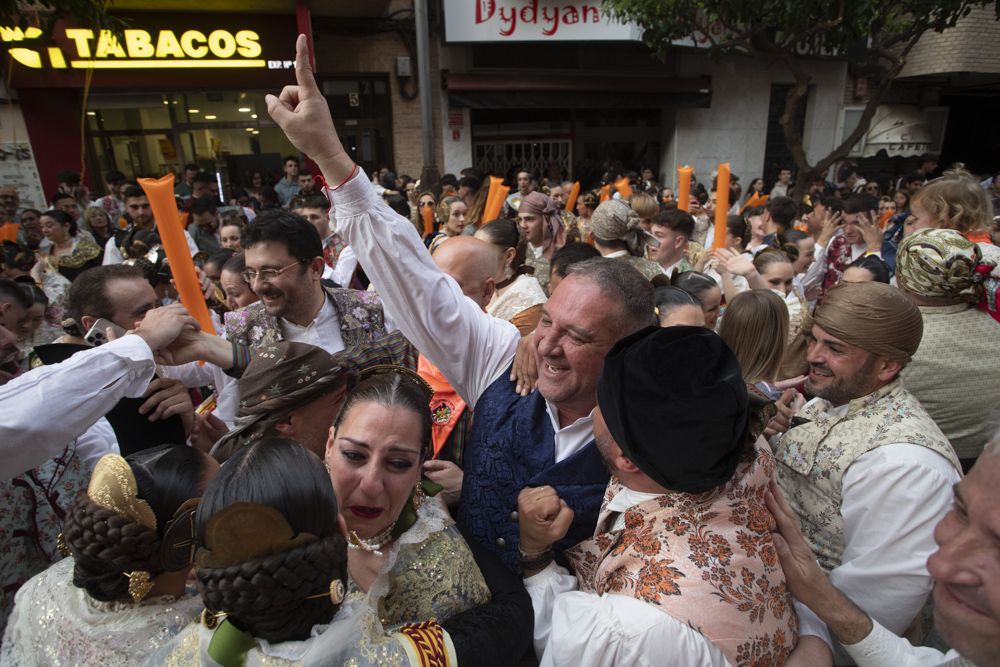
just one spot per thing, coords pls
(532, 21)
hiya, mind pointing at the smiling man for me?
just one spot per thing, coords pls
(868, 472)
(966, 571)
(544, 438)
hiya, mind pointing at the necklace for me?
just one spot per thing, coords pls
(373, 544)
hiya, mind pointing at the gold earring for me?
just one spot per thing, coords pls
(139, 584)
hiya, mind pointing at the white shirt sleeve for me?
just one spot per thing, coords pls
(893, 497)
(192, 246)
(82, 389)
(814, 274)
(99, 439)
(111, 253)
(882, 648)
(347, 262)
(587, 630)
(471, 348)
(191, 374)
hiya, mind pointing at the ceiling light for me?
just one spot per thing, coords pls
(211, 117)
(249, 129)
(194, 110)
(166, 101)
(256, 132)
(244, 109)
(91, 113)
(254, 116)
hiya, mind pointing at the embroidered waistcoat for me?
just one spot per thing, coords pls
(706, 559)
(360, 315)
(813, 457)
(513, 446)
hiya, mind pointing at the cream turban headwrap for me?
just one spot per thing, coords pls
(535, 203)
(941, 263)
(614, 220)
(876, 317)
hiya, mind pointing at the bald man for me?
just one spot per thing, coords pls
(472, 263)
(868, 472)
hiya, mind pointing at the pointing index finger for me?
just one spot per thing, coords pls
(303, 66)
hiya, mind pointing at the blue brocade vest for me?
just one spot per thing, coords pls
(513, 446)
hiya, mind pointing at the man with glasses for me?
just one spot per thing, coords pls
(284, 260)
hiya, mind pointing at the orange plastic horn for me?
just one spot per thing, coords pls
(427, 213)
(160, 192)
(605, 193)
(492, 212)
(684, 187)
(573, 194)
(721, 205)
(494, 202)
(623, 187)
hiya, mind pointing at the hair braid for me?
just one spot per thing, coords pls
(267, 596)
(105, 545)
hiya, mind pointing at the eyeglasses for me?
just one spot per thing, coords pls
(427, 203)
(266, 275)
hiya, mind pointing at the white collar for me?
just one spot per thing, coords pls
(626, 499)
(617, 253)
(586, 422)
(325, 314)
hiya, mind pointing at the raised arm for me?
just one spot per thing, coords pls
(471, 348)
(81, 390)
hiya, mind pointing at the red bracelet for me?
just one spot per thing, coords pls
(353, 171)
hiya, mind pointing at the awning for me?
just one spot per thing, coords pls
(898, 129)
(561, 90)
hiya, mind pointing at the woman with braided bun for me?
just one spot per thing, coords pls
(121, 595)
(272, 572)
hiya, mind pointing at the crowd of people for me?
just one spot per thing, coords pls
(580, 433)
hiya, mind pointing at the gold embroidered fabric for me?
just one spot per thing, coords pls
(56, 623)
(430, 572)
(113, 486)
(520, 295)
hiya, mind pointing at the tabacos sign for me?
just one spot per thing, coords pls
(532, 20)
(139, 48)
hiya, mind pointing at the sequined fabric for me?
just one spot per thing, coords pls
(355, 638)
(429, 573)
(56, 623)
(520, 295)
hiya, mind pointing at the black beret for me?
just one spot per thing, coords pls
(675, 402)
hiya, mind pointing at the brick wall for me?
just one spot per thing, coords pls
(971, 46)
(376, 55)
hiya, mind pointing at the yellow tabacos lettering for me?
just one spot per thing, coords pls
(221, 44)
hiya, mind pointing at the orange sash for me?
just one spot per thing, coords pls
(446, 405)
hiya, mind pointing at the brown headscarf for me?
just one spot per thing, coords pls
(614, 220)
(535, 203)
(281, 378)
(874, 316)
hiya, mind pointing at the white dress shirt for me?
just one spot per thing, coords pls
(50, 406)
(342, 274)
(324, 331)
(881, 648)
(892, 498)
(98, 440)
(471, 348)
